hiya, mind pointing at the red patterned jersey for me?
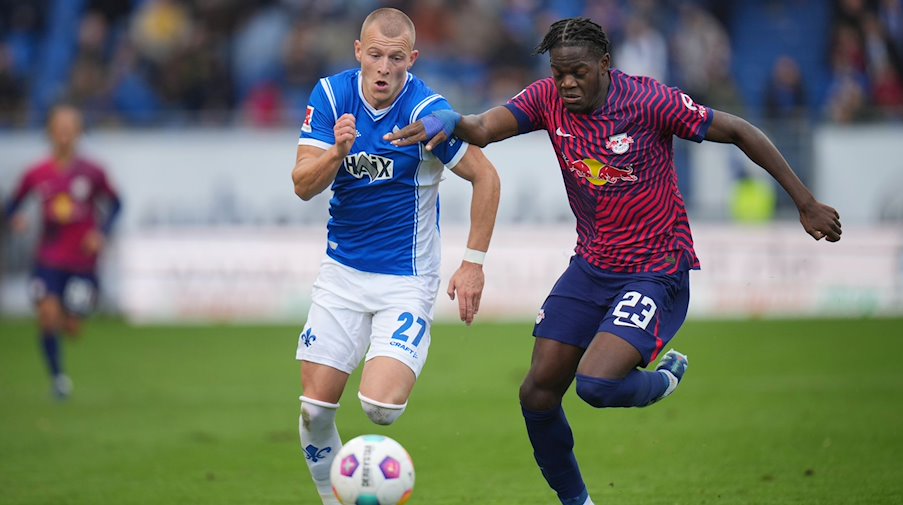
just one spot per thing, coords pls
(618, 169)
(71, 199)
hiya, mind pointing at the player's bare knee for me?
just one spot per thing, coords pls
(539, 397)
(528, 391)
(381, 413)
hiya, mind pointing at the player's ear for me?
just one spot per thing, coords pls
(414, 54)
(605, 62)
(357, 50)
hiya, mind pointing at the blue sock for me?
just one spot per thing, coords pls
(553, 448)
(50, 344)
(638, 389)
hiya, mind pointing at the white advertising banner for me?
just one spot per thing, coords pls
(266, 275)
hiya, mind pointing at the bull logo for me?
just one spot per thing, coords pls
(619, 144)
(599, 174)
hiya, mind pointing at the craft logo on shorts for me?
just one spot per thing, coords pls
(599, 174)
(376, 167)
(619, 144)
(305, 127)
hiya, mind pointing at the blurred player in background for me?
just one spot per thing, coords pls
(626, 291)
(78, 208)
(375, 292)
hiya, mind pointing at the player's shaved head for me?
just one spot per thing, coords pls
(391, 23)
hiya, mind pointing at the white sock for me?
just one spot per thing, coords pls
(320, 442)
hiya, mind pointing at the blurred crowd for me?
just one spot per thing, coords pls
(254, 62)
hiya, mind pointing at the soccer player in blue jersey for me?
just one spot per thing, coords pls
(625, 293)
(373, 298)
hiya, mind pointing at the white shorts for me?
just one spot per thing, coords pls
(355, 313)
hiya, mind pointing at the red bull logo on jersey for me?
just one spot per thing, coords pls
(599, 174)
(376, 167)
(62, 208)
(619, 144)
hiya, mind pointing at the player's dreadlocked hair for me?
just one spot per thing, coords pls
(575, 32)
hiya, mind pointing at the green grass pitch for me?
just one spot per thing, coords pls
(771, 412)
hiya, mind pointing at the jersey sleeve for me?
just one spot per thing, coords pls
(104, 187)
(679, 114)
(452, 150)
(529, 105)
(26, 184)
(106, 191)
(321, 116)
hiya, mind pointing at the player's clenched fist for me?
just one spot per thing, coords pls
(345, 133)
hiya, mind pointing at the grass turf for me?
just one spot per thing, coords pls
(772, 412)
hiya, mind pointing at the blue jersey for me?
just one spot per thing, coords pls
(384, 213)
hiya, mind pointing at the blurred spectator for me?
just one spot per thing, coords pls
(93, 34)
(257, 50)
(167, 62)
(20, 28)
(643, 51)
(887, 89)
(159, 28)
(195, 81)
(88, 87)
(301, 68)
(12, 92)
(890, 12)
(787, 122)
(702, 54)
(847, 98)
(263, 106)
(785, 94)
(133, 98)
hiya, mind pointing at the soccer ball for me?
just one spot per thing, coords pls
(372, 470)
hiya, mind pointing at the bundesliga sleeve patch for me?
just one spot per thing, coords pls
(305, 127)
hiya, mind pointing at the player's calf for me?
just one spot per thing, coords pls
(638, 389)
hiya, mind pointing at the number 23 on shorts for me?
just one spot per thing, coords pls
(634, 310)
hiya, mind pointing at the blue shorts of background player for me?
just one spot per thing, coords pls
(645, 309)
(76, 291)
(63, 299)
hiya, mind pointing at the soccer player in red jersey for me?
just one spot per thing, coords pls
(626, 291)
(78, 208)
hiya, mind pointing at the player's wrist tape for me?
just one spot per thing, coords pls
(474, 256)
(444, 120)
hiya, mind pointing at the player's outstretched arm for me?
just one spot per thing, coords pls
(316, 168)
(467, 282)
(497, 123)
(819, 220)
